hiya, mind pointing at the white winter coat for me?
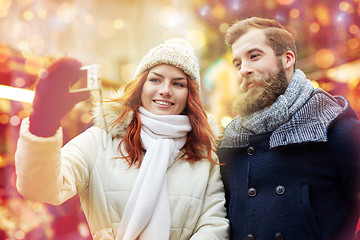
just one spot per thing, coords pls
(88, 166)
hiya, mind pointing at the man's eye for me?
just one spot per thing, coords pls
(154, 80)
(254, 56)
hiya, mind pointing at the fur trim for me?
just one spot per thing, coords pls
(111, 111)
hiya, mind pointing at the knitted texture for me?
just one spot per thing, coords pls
(175, 51)
(147, 211)
(309, 123)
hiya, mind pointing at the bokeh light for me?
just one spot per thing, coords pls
(42, 13)
(344, 6)
(354, 29)
(118, 24)
(314, 27)
(285, 2)
(28, 15)
(83, 229)
(224, 27)
(322, 15)
(34, 64)
(23, 114)
(225, 121)
(219, 11)
(14, 121)
(196, 38)
(294, 13)
(19, 82)
(19, 234)
(324, 58)
(4, 119)
(353, 43)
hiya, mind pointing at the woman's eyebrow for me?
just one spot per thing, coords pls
(159, 75)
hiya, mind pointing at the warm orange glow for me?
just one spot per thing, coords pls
(354, 29)
(324, 58)
(285, 2)
(314, 27)
(219, 11)
(4, 119)
(353, 43)
(344, 6)
(322, 14)
(294, 13)
(34, 64)
(23, 114)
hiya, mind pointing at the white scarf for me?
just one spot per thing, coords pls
(147, 211)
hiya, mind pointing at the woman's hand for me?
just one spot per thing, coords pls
(52, 99)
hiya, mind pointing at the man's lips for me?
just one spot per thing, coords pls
(250, 84)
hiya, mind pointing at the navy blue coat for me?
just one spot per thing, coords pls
(300, 191)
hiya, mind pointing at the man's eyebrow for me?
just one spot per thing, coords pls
(254, 50)
(248, 52)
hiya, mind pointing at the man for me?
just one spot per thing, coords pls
(291, 156)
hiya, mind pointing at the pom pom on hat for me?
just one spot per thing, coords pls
(175, 51)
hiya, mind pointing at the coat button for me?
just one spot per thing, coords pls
(251, 151)
(252, 192)
(280, 189)
(278, 236)
(250, 237)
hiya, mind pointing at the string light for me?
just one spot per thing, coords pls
(16, 94)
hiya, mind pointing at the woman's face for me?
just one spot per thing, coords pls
(165, 90)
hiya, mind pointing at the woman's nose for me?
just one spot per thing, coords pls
(165, 90)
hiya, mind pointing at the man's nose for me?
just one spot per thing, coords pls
(246, 70)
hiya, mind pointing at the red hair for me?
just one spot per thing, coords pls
(200, 142)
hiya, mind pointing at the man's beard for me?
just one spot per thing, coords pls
(263, 94)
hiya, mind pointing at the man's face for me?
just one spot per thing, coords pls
(261, 73)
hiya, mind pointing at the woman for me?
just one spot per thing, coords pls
(155, 176)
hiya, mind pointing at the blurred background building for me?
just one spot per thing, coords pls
(116, 34)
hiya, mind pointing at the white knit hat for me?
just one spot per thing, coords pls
(175, 51)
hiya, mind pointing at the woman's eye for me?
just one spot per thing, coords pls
(179, 84)
(237, 65)
(154, 80)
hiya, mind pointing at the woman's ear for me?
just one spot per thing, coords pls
(289, 59)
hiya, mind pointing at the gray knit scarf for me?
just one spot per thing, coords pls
(296, 95)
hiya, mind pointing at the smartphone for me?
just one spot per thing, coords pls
(90, 79)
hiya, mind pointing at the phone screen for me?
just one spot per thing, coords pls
(89, 80)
